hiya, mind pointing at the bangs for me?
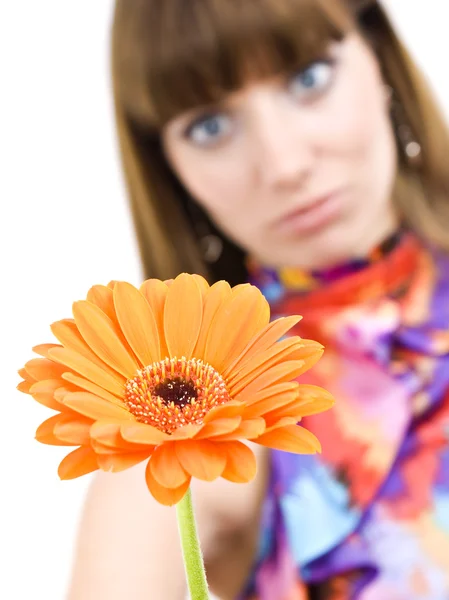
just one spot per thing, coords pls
(175, 55)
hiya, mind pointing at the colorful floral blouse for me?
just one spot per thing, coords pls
(368, 519)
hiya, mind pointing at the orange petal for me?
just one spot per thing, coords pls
(166, 468)
(62, 392)
(25, 375)
(166, 496)
(109, 435)
(100, 448)
(183, 315)
(281, 373)
(293, 348)
(100, 334)
(270, 334)
(45, 432)
(95, 407)
(201, 458)
(140, 433)
(202, 283)
(44, 393)
(155, 292)
(218, 427)
(42, 349)
(115, 463)
(271, 398)
(89, 370)
(93, 388)
(241, 465)
(67, 333)
(241, 316)
(42, 368)
(310, 400)
(74, 430)
(101, 296)
(225, 411)
(24, 386)
(137, 323)
(249, 429)
(185, 432)
(291, 438)
(79, 462)
(212, 301)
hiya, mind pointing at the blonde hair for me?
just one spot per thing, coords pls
(172, 55)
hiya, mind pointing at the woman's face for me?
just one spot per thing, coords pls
(297, 170)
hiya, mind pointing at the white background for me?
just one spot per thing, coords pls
(64, 226)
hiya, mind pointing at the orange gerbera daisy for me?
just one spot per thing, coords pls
(177, 373)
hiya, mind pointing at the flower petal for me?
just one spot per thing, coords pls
(310, 400)
(249, 429)
(225, 411)
(108, 434)
(79, 462)
(42, 349)
(74, 430)
(76, 362)
(100, 334)
(115, 463)
(201, 458)
(218, 427)
(166, 468)
(241, 465)
(101, 296)
(293, 348)
(95, 407)
(45, 432)
(212, 301)
(241, 316)
(25, 375)
(137, 323)
(182, 317)
(166, 496)
(67, 333)
(42, 368)
(93, 388)
(44, 393)
(268, 336)
(24, 386)
(155, 292)
(202, 284)
(291, 438)
(139, 433)
(271, 398)
(278, 374)
(185, 432)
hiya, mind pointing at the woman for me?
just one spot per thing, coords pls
(295, 144)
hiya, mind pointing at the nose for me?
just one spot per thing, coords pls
(283, 144)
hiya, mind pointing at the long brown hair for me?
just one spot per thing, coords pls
(172, 55)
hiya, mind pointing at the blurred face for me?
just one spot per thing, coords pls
(297, 170)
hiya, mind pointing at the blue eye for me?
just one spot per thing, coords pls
(313, 80)
(209, 130)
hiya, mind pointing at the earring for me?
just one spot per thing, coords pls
(211, 247)
(410, 146)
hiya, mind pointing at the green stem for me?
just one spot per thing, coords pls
(193, 558)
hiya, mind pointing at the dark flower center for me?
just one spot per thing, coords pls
(177, 391)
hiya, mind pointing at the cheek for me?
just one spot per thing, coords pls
(357, 119)
(219, 181)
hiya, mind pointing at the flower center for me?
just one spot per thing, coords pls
(174, 392)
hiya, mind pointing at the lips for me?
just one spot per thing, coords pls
(316, 215)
